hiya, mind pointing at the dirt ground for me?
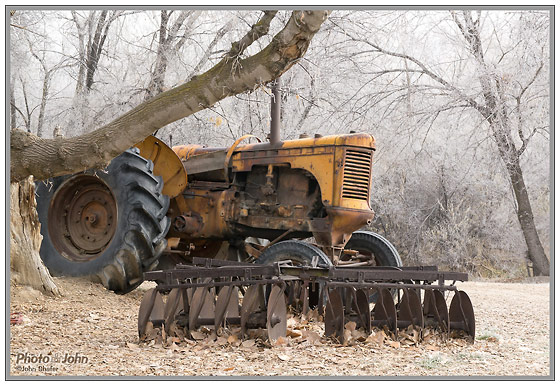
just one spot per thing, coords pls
(91, 331)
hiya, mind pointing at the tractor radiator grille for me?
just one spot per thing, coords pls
(357, 174)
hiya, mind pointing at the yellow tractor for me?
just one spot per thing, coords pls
(195, 219)
(249, 202)
(301, 200)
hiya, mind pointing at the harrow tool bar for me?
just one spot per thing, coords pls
(207, 294)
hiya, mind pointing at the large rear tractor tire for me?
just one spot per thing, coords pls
(110, 224)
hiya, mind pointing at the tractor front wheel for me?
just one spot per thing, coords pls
(375, 248)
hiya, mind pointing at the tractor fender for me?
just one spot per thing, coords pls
(167, 164)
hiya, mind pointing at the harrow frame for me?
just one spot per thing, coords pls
(206, 293)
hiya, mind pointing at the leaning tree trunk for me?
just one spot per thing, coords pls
(26, 265)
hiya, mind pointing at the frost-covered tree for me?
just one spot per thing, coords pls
(421, 71)
(236, 72)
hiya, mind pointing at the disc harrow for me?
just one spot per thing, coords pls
(219, 294)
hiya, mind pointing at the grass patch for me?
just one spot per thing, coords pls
(469, 357)
(487, 337)
(431, 362)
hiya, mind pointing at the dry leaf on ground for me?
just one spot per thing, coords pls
(507, 344)
(283, 357)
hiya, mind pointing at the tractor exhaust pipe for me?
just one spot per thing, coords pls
(275, 106)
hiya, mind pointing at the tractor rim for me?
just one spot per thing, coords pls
(83, 217)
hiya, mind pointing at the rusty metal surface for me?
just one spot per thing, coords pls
(196, 304)
(250, 304)
(356, 174)
(378, 276)
(166, 164)
(146, 306)
(83, 216)
(209, 306)
(276, 316)
(321, 157)
(361, 307)
(384, 312)
(410, 309)
(222, 303)
(231, 150)
(173, 306)
(226, 278)
(151, 310)
(334, 315)
(205, 166)
(435, 309)
(355, 139)
(310, 187)
(232, 310)
(185, 151)
(461, 314)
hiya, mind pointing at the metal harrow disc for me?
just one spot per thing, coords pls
(197, 302)
(303, 289)
(222, 303)
(410, 309)
(276, 318)
(361, 306)
(232, 309)
(201, 304)
(461, 314)
(151, 309)
(208, 306)
(435, 307)
(385, 312)
(250, 304)
(334, 315)
(173, 306)
(186, 298)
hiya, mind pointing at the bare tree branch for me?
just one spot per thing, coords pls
(425, 70)
(219, 35)
(43, 158)
(258, 30)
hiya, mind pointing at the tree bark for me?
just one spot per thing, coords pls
(26, 265)
(43, 106)
(167, 35)
(28, 113)
(81, 54)
(44, 158)
(510, 156)
(12, 105)
(541, 265)
(158, 74)
(311, 102)
(95, 49)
